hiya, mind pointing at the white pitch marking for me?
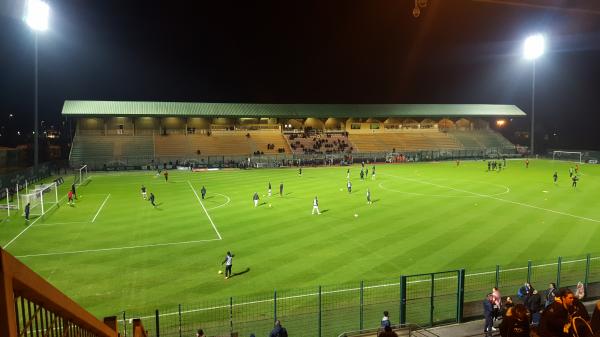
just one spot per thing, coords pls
(34, 221)
(105, 200)
(117, 248)
(499, 199)
(225, 204)
(205, 211)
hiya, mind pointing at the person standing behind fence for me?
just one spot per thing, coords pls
(550, 294)
(488, 309)
(534, 304)
(385, 321)
(515, 322)
(200, 333)
(278, 330)
(556, 320)
(497, 302)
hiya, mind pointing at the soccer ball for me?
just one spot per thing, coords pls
(355, 215)
(220, 272)
(269, 205)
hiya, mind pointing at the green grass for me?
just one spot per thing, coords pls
(425, 217)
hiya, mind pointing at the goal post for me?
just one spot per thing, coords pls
(41, 199)
(572, 156)
(8, 203)
(82, 175)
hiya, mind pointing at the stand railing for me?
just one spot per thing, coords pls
(29, 306)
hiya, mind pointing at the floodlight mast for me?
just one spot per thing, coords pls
(36, 17)
(533, 48)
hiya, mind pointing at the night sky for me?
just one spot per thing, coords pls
(370, 51)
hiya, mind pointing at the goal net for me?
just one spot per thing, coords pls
(82, 175)
(567, 156)
(40, 199)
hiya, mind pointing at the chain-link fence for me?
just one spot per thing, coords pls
(425, 299)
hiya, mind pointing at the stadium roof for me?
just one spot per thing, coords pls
(163, 109)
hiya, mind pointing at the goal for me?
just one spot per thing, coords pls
(567, 156)
(41, 199)
(82, 176)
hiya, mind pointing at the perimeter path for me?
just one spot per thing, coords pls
(494, 198)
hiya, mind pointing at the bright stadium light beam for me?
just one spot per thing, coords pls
(37, 15)
(533, 48)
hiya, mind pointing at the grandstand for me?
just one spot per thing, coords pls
(142, 133)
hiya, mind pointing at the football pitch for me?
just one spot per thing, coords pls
(113, 251)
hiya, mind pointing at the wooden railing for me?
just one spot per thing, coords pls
(30, 306)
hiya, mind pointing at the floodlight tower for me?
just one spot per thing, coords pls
(36, 18)
(533, 48)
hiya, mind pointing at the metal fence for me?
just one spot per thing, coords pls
(275, 160)
(425, 299)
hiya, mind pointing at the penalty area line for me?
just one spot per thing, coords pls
(116, 248)
(205, 211)
(101, 206)
(31, 224)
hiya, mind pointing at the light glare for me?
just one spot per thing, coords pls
(533, 47)
(37, 15)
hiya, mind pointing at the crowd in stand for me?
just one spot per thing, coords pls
(320, 144)
(556, 313)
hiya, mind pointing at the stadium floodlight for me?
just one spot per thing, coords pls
(37, 15)
(533, 48)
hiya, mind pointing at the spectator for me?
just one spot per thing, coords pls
(497, 301)
(387, 332)
(580, 291)
(595, 322)
(525, 291)
(534, 304)
(550, 294)
(488, 309)
(555, 319)
(385, 321)
(515, 322)
(278, 330)
(200, 333)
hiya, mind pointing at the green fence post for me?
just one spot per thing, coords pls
(231, 314)
(275, 305)
(319, 312)
(179, 311)
(362, 285)
(460, 295)
(558, 272)
(588, 259)
(156, 318)
(431, 300)
(124, 324)
(529, 271)
(497, 275)
(403, 299)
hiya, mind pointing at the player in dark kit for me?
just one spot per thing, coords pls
(555, 177)
(73, 190)
(166, 175)
(300, 171)
(575, 178)
(27, 209)
(203, 192)
(152, 199)
(281, 190)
